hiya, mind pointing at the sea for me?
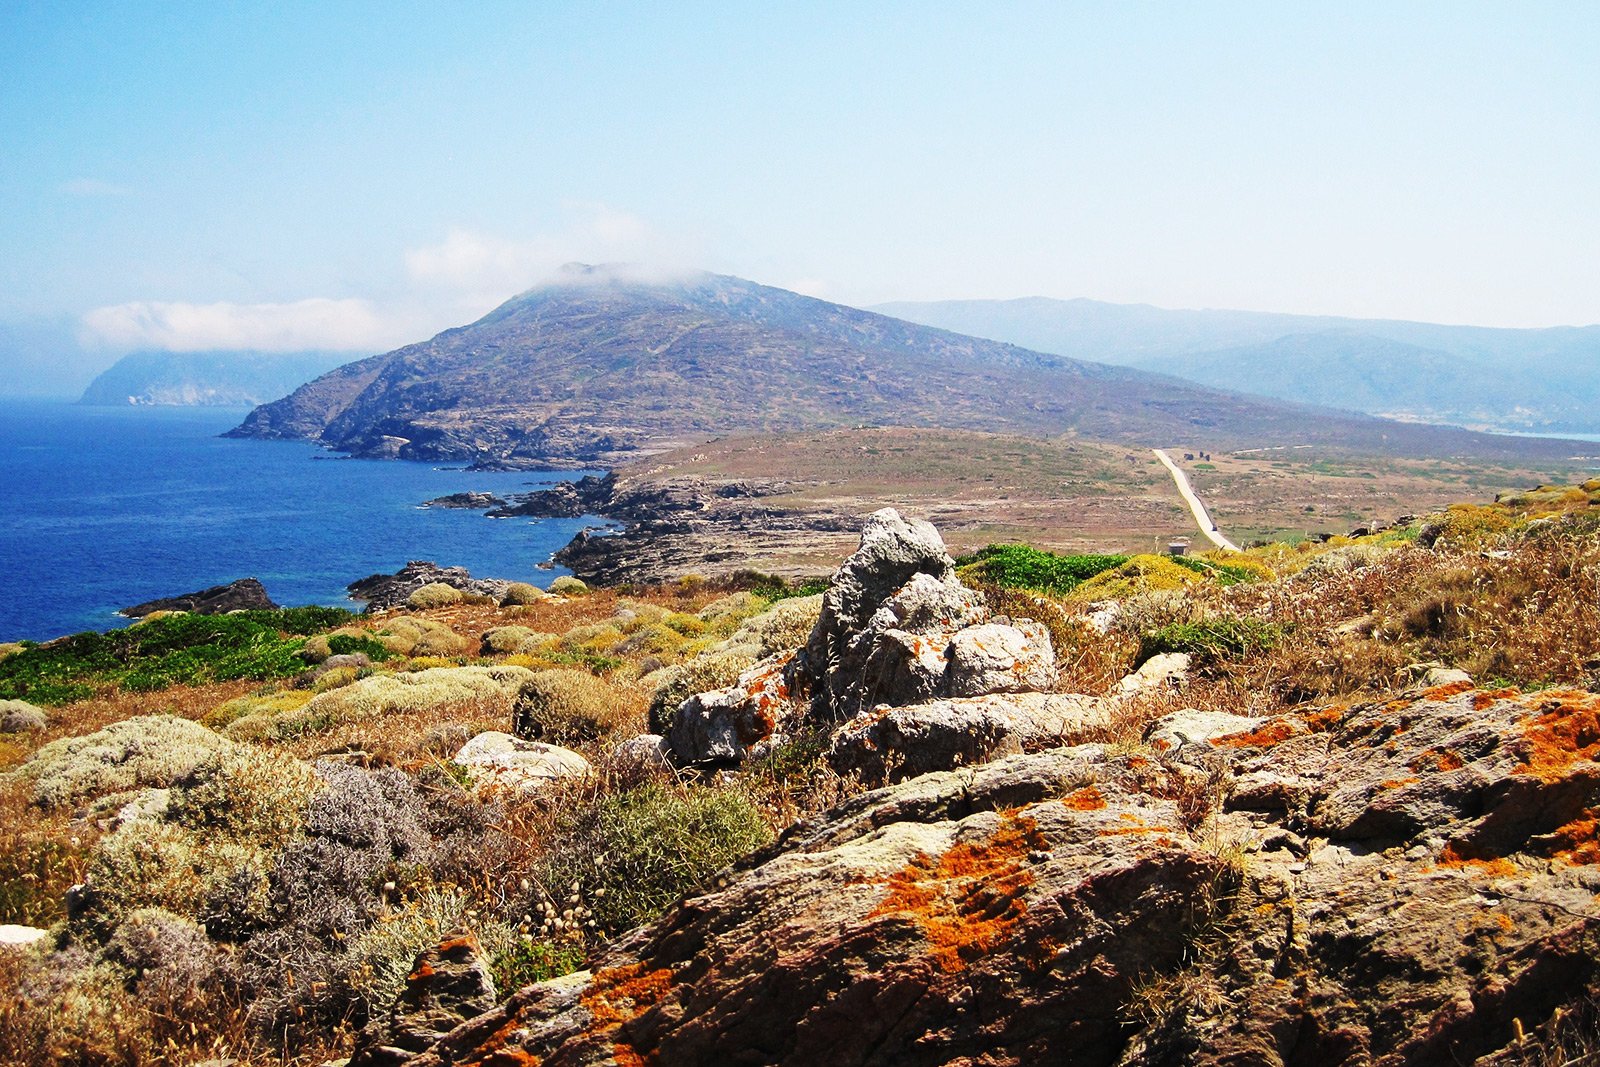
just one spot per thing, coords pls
(105, 507)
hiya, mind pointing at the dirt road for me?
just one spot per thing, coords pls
(1201, 516)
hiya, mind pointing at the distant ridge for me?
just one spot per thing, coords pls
(206, 379)
(1538, 380)
(604, 363)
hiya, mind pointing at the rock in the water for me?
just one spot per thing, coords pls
(1433, 896)
(466, 501)
(449, 984)
(246, 594)
(505, 760)
(384, 591)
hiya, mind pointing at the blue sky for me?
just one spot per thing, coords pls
(358, 175)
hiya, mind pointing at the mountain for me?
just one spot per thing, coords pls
(1545, 380)
(603, 364)
(215, 379)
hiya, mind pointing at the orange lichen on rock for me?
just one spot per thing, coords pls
(969, 899)
(1566, 731)
(1399, 783)
(1576, 842)
(1483, 699)
(1135, 825)
(1446, 691)
(618, 995)
(1324, 719)
(1437, 760)
(1265, 737)
(1086, 799)
(1492, 866)
(496, 1050)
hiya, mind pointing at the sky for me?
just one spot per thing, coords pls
(357, 176)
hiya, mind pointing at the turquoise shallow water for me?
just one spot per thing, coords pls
(105, 507)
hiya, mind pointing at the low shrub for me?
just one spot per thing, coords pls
(632, 854)
(406, 635)
(174, 649)
(511, 640)
(567, 585)
(487, 691)
(1138, 574)
(18, 716)
(145, 751)
(434, 595)
(521, 593)
(1024, 567)
(260, 704)
(1209, 641)
(568, 707)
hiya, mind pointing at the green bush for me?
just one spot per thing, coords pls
(521, 594)
(174, 649)
(1209, 641)
(341, 644)
(434, 595)
(1023, 567)
(507, 640)
(649, 846)
(409, 636)
(567, 585)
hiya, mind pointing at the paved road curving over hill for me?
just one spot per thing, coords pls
(1201, 516)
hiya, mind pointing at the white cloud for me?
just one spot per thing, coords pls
(341, 325)
(485, 269)
(88, 187)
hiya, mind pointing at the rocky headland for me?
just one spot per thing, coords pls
(245, 594)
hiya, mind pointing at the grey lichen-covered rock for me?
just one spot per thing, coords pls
(504, 760)
(893, 744)
(1171, 732)
(999, 658)
(1434, 899)
(639, 757)
(449, 984)
(725, 726)
(893, 552)
(1169, 670)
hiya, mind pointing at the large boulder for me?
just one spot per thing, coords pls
(504, 760)
(1435, 898)
(449, 984)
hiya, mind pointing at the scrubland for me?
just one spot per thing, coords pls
(240, 831)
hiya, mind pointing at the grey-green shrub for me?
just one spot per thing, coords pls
(567, 707)
(673, 685)
(649, 846)
(434, 595)
(521, 594)
(148, 750)
(19, 716)
(567, 585)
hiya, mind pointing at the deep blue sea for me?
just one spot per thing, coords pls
(105, 507)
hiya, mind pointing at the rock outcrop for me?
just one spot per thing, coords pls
(384, 591)
(1412, 881)
(449, 984)
(246, 594)
(466, 501)
(897, 628)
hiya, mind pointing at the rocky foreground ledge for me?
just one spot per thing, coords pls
(1407, 881)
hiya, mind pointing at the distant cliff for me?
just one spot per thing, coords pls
(217, 378)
